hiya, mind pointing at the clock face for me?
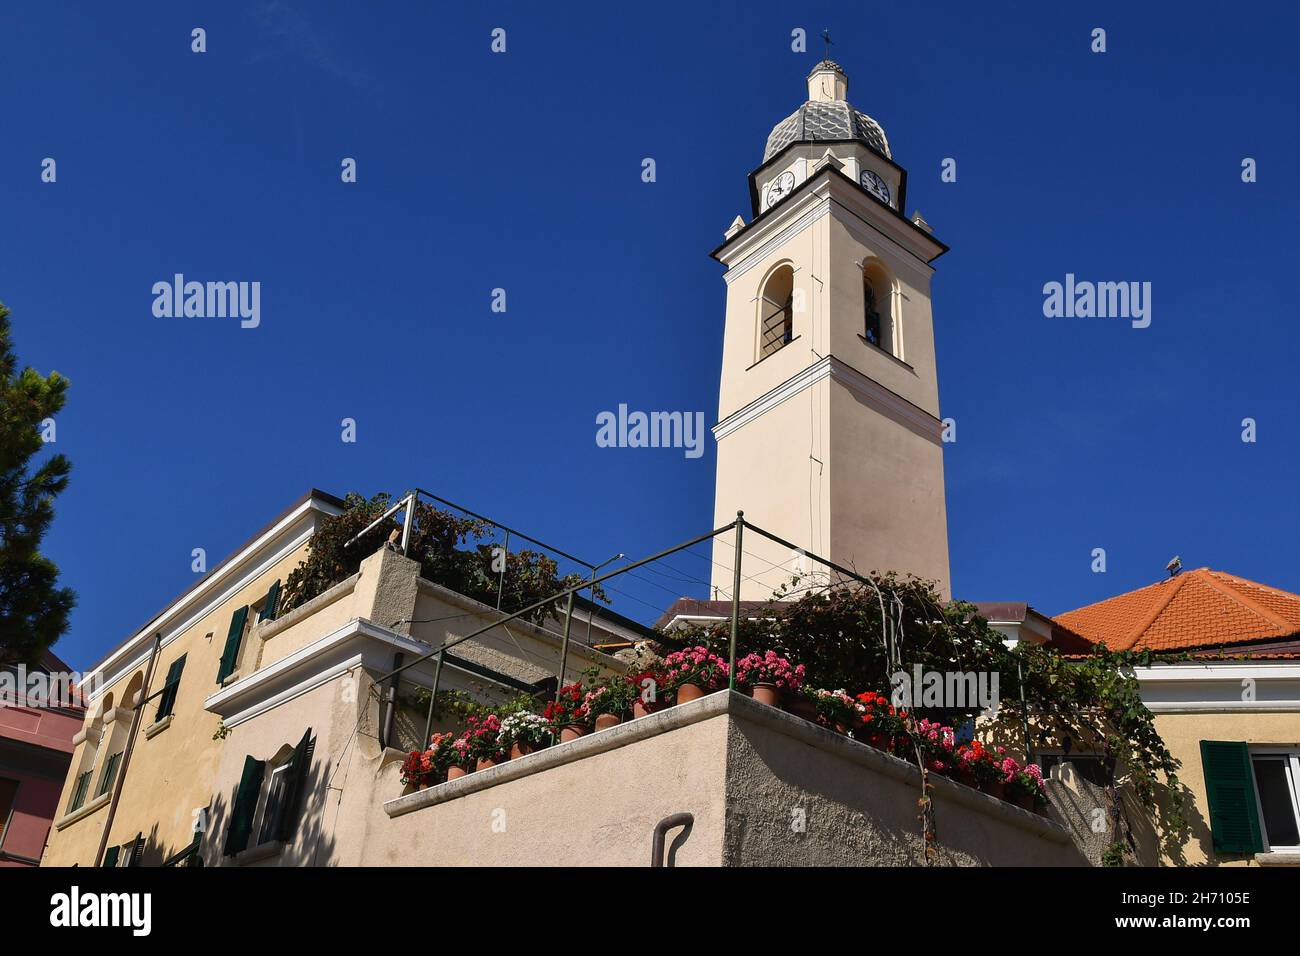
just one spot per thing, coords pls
(875, 185)
(780, 187)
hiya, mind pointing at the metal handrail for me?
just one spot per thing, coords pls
(439, 653)
(586, 583)
(508, 530)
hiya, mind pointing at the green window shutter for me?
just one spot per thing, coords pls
(233, 640)
(167, 699)
(137, 850)
(79, 793)
(1230, 789)
(295, 787)
(272, 603)
(110, 774)
(110, 856)
(245, 805)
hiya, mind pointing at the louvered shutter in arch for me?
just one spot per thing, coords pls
(295, 787)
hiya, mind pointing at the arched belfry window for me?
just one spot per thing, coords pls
(878, 309)
(776, 312)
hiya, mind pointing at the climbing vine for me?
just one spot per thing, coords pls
(453, 551)
(857, 635)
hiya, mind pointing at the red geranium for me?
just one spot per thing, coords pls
(484, 737)
(569, 707)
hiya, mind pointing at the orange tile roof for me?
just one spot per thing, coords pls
(1195, 609)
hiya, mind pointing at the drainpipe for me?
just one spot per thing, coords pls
(388, 708)
(661, 830)
(1024, 712)
(735, 601)
(130, 747)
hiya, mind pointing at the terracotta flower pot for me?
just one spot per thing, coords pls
(766, 693)
(484, 763)
(571, 732)
(1025, 801)
(689, 692)
(454, 772)
(801, 706)
(966, 776)
(520, 748)
(606, 721)
(642, 709)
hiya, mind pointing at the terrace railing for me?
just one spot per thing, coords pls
(736, 528)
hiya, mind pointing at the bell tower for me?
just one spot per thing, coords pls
(828, 428)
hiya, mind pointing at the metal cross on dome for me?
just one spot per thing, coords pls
(826, 36)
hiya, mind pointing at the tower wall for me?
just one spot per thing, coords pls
(833, 441)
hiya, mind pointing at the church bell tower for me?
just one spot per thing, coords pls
(828, 428)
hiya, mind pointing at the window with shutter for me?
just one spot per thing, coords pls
(1277, 783)
(271, 603)
(1230, 790)
(245, 806)
(167, 699)
(295, 788)
(110, 774)
(234, 638)
(79, 792)
(110, 856)
(273, 811)
(137, 850)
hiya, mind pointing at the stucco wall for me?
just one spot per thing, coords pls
(171, 773)
(739, 767)
(1183, 733)
(337, 712)
(596, 811)
(520, 649)
(799, 795)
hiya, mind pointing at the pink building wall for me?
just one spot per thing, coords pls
(35, 751)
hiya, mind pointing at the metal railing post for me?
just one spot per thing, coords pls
(592, 593)
(501, 584)
(735, 600)
(433, 699)
(564, 644)
(406, 525)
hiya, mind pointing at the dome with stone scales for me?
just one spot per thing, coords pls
(827, 116)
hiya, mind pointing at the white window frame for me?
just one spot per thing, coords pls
(276, 778)
(1292, 766)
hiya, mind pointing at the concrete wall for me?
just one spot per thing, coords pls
(577, 804)
(741, 768)
(858, 806)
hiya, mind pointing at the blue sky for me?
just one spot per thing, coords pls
(522, 171)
